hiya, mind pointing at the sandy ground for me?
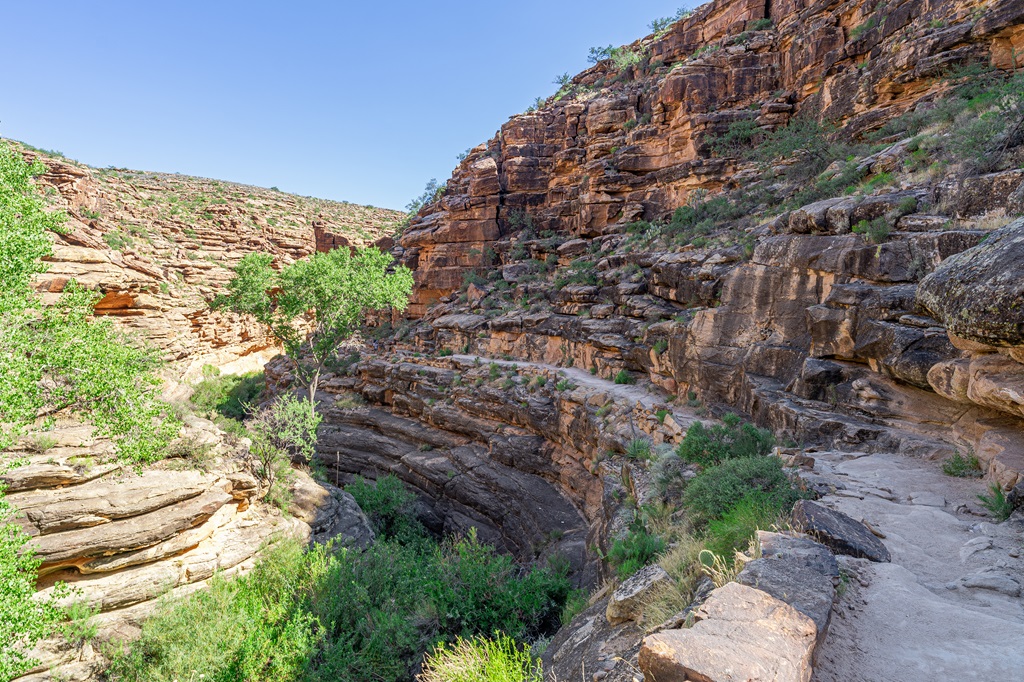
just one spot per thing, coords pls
(949, 605)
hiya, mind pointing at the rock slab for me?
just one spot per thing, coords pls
(838, 531)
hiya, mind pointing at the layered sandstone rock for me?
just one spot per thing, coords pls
(122, 538)
(159, 247)
(795, 319)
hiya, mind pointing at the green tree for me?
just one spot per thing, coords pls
(313, 306)
(53, 360)
(58, 358)
(23, 620)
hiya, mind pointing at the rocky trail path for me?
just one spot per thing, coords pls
(948, 606)
(646, 394)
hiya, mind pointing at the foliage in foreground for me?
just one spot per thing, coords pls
(59, 359)
(23, 620)
(336, 614)
(54, 360)
(481, 660)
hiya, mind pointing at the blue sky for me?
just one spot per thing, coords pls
(361, 101)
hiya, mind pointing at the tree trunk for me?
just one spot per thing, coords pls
(313, 384)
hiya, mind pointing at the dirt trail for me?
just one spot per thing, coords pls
(948, 607)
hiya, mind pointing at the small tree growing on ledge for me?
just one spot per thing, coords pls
(313, 306)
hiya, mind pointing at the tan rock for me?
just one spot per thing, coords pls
(741, 634)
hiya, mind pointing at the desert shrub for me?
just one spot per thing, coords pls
(996, 503)
(284, 430)
(962, 466)
(735, 528)
(876, 231)
(575, 604)
(389, 506)
(229, 395)
(729, 440)
(624, 377)
(634, 550)
(481, 660)
(638, 448)
(718, 489)
(41, 442)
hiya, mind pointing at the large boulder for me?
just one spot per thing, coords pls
(979, 294)
(741, 633)
(838, 531)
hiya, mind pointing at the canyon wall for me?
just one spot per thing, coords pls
(792, 317)
(159, 247)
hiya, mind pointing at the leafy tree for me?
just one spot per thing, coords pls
(313, 306)
(55, 359)
(23, 620)
(59, 359)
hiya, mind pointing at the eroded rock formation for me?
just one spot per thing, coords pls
(159, 248)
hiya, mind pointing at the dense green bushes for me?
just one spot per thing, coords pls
(719, 489)
(335, 614)
(739, 489)
(227, 395)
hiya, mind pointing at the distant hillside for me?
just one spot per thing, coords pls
(159, 246)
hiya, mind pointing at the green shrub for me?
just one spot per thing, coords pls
(118, 241)
(575, 604)
(737, 526)
(961, 466)
(283, 430)
(334, 614)
(996, 503)
(624, 377)
(389, 507)
(660, 346)
(635, 550)
(481, 660)
(729, 440)
(639, 448)
(876, 231)
(229, 395)
(718, 489)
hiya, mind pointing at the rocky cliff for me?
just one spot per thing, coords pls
(787, 312)
(159, 247)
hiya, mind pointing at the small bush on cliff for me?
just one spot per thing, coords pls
(996, 502)
(633, 551)
(962, 466)
(481, 660)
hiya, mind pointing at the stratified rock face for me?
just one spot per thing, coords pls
(636, 144)
(159, 247)
(795, 318)
(124, 538)
(979, 294)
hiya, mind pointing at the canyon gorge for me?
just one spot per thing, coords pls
(611, 268)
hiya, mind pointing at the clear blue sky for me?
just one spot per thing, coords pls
(362, 101)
